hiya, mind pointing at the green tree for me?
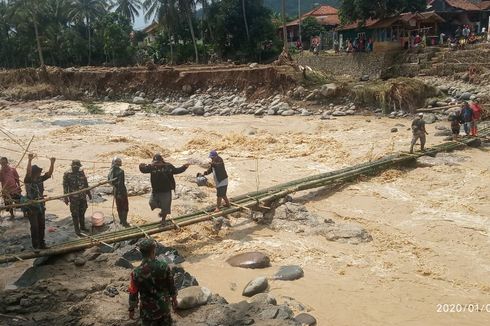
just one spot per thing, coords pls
(127, 8)
(86, 11)
(186, 7)
(29, 11)
(115, 30)
(310, 27)
(354, 10)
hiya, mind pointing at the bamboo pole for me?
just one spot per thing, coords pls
(39, 201)
(279, 191)
(25, 152)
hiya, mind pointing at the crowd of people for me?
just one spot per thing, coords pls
(77, 192)
(468, 115)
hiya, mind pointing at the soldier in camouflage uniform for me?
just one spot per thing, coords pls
(73, 181)
(154, 282)
(120, 192)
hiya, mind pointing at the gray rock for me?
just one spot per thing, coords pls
(466, 96)
(198, 111)
(187, 89)
(288, 113)
(271, 112)
(325, 116)
(124, 263)
(448, 159)
(328, 90)
(249, 260)
(443, 133)
(339, 113)
(259, 111)
(179, 111)
(349, 233)
(430, 118)
(187, 105)
(263, 299)
(192, 297)
(79, 261)
(258, 285)
(139, 100)
(305, 113)
(225, 111)
(350, 112)
(289, 273)
(364, 78)
(305, 319)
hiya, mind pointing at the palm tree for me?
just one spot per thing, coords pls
(30, 10)
(186, 7)
(127, 8)
(245, 19)
(86, 11)
(165, 13)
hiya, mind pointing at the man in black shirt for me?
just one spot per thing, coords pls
(34, 183)
(217, 167)
(162, 183)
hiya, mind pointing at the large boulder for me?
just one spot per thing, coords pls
(258, 285)
(347, 233)
(430, 118)
(179, 111)
(263, 299)
(328, 90)
(192, 297)
(289, 273)
(249, 260)
(139, 100)
(305, 319)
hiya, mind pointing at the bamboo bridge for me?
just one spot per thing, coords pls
(253, 200)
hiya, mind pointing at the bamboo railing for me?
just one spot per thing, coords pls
(244, 202)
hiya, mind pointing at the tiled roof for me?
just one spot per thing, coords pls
(325, 15)
(485, 5)
(463, 4)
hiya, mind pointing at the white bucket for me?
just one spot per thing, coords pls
(98, 219)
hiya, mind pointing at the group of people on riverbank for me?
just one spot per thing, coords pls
(77, 192)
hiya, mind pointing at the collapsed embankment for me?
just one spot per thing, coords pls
(75, 83)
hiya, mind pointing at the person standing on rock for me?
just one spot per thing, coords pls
(34, 183)
(10, 181)
(119, 192)
(419, 132)
(162, 184)
(220, 178)
(152, 284)
(74, 181)
(476, 108)
(467, 116)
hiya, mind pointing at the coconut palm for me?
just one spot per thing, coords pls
(86, 11)
(29, 11)
(127, 8)
(186, 7)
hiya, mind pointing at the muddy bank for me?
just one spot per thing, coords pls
(96, 82)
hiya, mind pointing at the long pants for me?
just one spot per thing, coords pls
(467, 128)
(37, 219)
(165, 321)
(416, 136)
(122, 205)
(78, 207)
(474, 127)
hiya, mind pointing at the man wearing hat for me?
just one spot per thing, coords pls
(73, 181)
(220, 178)
(418, 131)
(152, 284)
(34, 183)
(162, 183)
(120, 192)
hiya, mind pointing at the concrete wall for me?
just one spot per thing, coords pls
(355, 65)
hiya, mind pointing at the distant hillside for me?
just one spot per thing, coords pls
(292, 5)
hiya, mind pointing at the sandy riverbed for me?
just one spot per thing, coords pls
(430, 225)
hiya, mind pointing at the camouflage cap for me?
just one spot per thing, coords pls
(76, 163)
(146, 245)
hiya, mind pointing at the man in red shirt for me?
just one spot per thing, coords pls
(9, 178)
(476, 108)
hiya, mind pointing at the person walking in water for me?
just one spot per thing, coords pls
(73, 181)
(217, 167)
(162, 184)
(119, 192)
(419, 132)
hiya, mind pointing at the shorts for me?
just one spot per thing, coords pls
(161, 200)
(221, 191)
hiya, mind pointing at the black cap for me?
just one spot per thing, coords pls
(157, 158)
(36, 169)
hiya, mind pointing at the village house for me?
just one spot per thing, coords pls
(326, 16)
(461, 12)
